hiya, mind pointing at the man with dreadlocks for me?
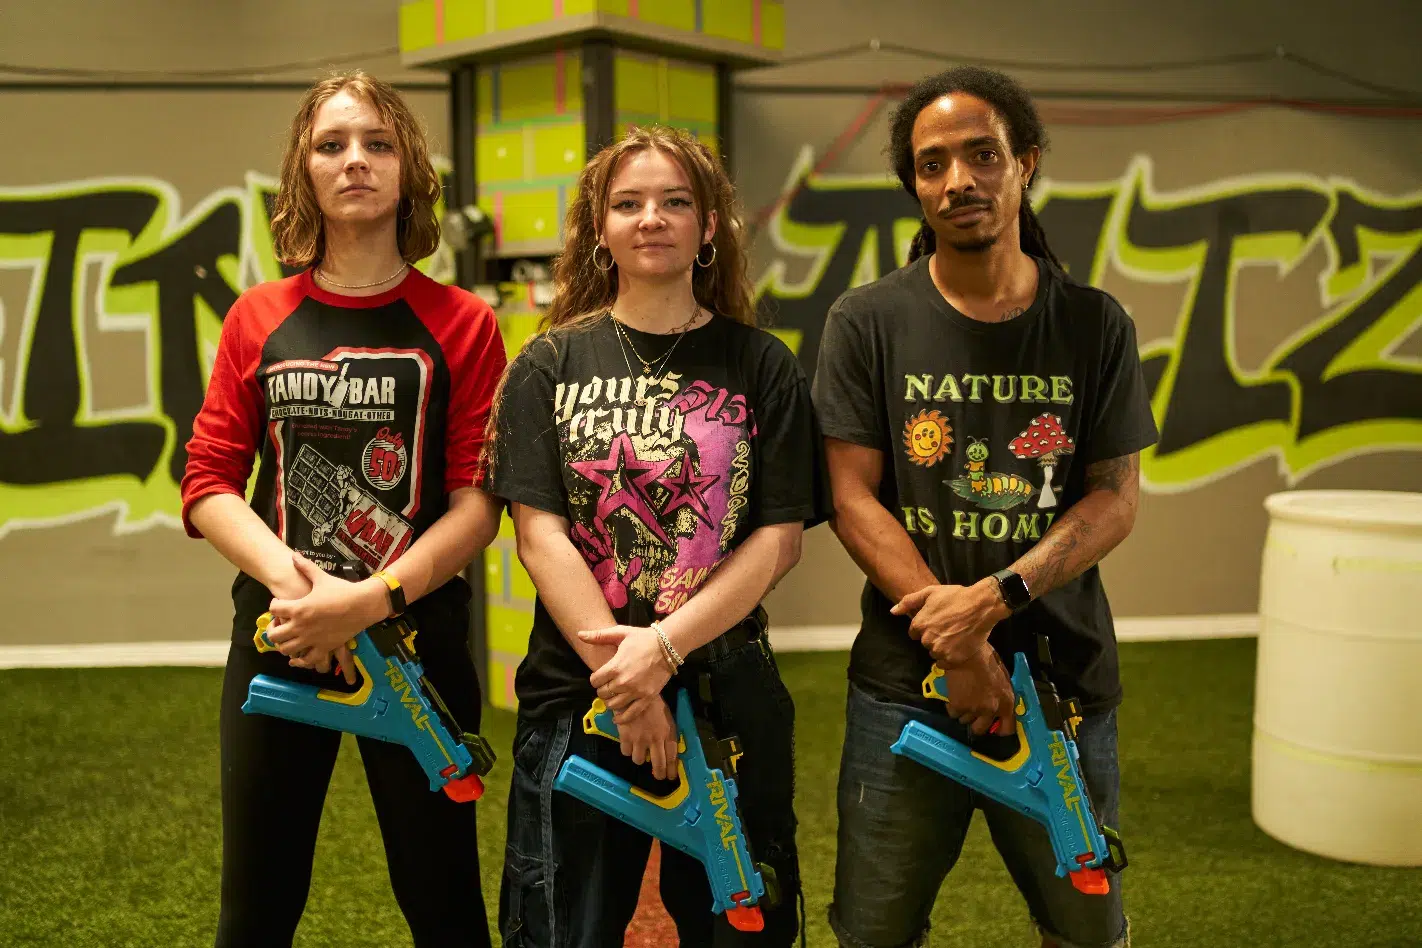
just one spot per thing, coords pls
(983, 415)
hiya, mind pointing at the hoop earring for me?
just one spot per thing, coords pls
(406, 216)
(708, 262)
(610, 262)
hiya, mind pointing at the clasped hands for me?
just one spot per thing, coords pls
(315, 614)
(630, 683)
(953, 624)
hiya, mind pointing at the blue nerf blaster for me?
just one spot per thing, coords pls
(396, 704)
(699, 817)
(1041, 780)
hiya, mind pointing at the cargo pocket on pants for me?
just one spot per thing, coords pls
(525, 913)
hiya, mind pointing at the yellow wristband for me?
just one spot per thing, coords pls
(397, 594)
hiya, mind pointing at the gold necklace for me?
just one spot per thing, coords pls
(362, 286)
(646, 366)
(665, 359)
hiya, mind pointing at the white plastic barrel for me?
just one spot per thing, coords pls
(1337, 756)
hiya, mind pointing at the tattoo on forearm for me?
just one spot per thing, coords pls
(1064, 553)
(1089, 529)
(1113, 474)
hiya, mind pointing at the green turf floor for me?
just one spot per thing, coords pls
(110, 830)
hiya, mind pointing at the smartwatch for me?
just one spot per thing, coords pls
(1013, 589)
(397, 594)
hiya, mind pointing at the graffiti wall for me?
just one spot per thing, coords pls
(111, 305)
(1341, 385)
(1278, 314)
(1269, 258)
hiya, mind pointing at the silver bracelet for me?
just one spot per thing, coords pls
(666, 644)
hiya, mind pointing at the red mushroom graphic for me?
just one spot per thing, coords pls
(1043, 441)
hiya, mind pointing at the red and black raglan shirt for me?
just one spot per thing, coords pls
(366, 412)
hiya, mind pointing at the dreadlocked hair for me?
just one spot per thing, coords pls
(1024, 129)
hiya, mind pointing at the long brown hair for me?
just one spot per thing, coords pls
(581, 291)
(298, 229)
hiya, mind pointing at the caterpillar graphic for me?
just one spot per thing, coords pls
(989, 491)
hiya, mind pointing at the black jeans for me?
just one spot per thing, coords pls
(572, 874)
(274, 778)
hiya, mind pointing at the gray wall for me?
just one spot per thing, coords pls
(1196, 547)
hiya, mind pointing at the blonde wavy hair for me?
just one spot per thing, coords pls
(298, 229)
(581, 291)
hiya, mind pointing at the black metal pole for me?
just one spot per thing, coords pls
(599, 110)
(725, 133)
(463, 90)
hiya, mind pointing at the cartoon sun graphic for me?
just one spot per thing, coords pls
(927, 436)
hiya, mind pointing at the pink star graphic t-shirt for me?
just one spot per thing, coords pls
(660, 474)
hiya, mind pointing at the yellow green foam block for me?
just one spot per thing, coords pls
(417, 25)
(427, 23)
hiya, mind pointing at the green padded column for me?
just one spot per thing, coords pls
(658, 90)
(529, 149)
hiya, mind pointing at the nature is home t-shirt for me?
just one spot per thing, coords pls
(987, 430)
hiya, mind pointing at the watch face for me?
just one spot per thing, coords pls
(1014, 589)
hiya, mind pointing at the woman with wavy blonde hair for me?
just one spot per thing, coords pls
(661, 459)
(364, 387)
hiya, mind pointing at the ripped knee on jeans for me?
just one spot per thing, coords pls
(848, 940)
(1052, 940)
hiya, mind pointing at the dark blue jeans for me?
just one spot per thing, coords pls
(572, 874)
(902, 826)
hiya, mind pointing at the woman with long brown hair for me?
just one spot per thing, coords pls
(364, 387)
(661, 460)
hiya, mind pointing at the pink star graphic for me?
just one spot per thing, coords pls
(624, 479)
(688, 489)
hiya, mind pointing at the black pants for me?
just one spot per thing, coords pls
(274, 779)
(572, 874)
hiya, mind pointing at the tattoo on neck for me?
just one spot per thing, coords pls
(1011, 314)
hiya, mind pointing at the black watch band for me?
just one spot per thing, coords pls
(1013, 589)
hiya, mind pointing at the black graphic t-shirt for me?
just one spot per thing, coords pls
(987, 430)
(366, 413)
(660, 474)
